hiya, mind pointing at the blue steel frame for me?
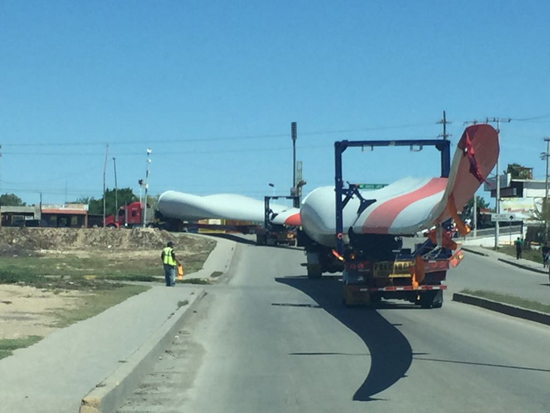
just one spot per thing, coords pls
(443, 146)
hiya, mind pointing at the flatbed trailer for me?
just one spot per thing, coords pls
(376, 266)
(367, 282)
(274, 234)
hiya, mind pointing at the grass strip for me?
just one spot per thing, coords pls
(95, 303)
(28, 270)
(8, 345)
(531, 255)
(510, 299)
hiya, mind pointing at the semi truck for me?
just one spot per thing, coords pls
(362, 233)
(275, 234)
(130, 216)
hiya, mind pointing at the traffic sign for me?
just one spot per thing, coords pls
(371, 186)
(503, 217)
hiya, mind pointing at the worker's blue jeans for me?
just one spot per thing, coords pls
(170, 275)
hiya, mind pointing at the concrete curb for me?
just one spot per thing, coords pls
(506, 309)
(526, 267)
(115, 388)
(474, 251)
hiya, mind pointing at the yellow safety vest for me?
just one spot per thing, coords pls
(168, 259)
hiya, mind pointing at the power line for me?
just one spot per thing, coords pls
(207, 139)
(533, 118)
(328, 145)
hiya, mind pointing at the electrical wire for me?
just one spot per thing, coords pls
(532, 118)
(216, 139)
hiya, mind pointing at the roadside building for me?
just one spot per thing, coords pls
(17, 216)
(521, 197)
(65, 216)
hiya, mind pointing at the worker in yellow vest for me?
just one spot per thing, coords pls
(169, 262)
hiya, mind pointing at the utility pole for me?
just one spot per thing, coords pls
(294, 190)
(545, 155)
(146, 187)
(444, 121)
(104, 171)
(497, 223)
(116, 192)
(497, 202)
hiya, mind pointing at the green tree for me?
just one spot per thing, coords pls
(11, 200)
(153, 201)
(481, 203)
(95, 206)
(467, 211)
(83, 200)
(518, 171)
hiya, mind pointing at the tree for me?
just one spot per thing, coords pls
(518, 171)
(468, 208)
(468, 211)
(95, 206)
(83, 200)
(153, 201)
(11, 200)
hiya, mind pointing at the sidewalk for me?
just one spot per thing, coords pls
(56, 373)
(495, 255)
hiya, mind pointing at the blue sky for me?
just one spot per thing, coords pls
(212, 87)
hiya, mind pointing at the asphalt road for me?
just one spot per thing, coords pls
(267, 339)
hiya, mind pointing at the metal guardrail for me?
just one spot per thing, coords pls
(488, 232)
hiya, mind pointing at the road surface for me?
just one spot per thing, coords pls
(267, 339)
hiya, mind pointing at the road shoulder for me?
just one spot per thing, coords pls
(507, 309)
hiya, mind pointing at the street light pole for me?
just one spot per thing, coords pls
(146, 187)
(272, 189)
(104, 172)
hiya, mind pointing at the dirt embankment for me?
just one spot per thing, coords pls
(37, 241)
(45, 270)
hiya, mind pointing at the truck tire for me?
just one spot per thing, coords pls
(261, 239)
(437, 301)
(314, 272)
(375, 298)
(431, 299)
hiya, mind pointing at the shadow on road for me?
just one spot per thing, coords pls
(391, 353)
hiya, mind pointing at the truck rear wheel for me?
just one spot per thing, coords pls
(375, 298)
(431, 299)
(438, 300)
(314, 272)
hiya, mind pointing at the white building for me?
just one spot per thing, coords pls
(522, 197)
